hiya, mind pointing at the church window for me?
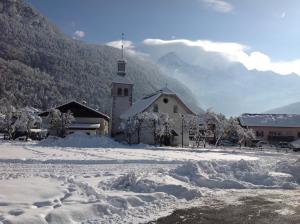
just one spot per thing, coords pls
(155, 108)
(119, 91)
(165, 100)
(175, 109)
(125, 92)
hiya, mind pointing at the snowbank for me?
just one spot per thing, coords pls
(292, 168)
(138, 184)
(234, 175)
(81, 140)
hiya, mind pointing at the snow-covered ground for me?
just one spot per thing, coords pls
(85, 179)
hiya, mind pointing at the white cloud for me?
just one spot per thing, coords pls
(118, 44)
(235, 52)
(129, 47)
(78, 34)
(219, 5)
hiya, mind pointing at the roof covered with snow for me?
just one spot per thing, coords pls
(84, 126)
(143, 104)
(78, 110)
(270, 120)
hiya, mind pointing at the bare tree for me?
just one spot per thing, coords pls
(160, 125)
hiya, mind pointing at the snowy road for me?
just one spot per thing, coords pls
(59, 182)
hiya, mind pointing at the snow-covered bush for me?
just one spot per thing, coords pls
(21, 120)
(59, 121)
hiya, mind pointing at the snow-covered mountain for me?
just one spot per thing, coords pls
(229, 87)
(293, 108)
(40, 66)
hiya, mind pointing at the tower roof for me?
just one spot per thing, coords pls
(122, 80)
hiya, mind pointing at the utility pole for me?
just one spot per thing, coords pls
(182, 116)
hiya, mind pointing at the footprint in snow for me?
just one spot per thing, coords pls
(16, 212)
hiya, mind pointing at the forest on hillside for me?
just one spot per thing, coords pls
(42, 67)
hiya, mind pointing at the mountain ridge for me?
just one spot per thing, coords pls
(40, 66)
(233, 89)
(293, 108)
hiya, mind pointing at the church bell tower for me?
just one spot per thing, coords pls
(121, 93)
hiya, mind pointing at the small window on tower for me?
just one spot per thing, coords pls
(126, 92)
(155, 108)
(119, 92)
(175, 109)
(121, 66)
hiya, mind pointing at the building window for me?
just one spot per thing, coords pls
(155, 108)
(272, 133)
(298, 134)
(125, 92)
(259, 133)
(175, 109)
(119, 92)
(165, 100)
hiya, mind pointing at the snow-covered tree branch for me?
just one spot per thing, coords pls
(59, 121)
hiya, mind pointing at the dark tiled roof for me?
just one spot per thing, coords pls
(78, 110)
(270, 120)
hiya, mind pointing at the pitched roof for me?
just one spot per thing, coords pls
(270, 120)
(78, 110)
(141, 105)
(122, 80)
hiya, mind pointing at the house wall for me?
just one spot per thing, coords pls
(176, 117)
(103, 130)
(276, 131)
(89, 132)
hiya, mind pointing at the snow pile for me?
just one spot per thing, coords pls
(81, 140)
(232, 175)
(138, 184)
(296, 143)
(292, 168)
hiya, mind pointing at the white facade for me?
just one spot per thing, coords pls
(167, 102)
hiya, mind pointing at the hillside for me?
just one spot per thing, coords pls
(42, 67)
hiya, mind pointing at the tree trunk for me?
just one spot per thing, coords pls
(138, 133)
(216, 145)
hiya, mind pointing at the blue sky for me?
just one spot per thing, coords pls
(267, 26)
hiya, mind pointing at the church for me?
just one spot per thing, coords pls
(162, 101)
